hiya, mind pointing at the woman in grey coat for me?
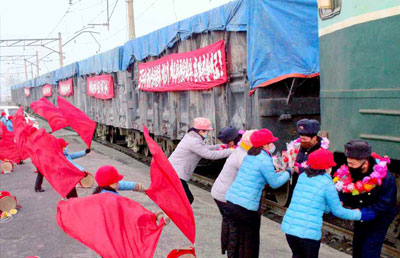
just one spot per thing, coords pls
(192, 149)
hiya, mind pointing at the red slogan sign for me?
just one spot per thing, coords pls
(101, 86)
(47, 90)
(66, 88)
(201, 69)
(27, 92)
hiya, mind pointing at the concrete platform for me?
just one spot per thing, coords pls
(33, 231)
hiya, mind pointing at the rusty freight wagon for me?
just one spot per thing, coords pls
(284, 58)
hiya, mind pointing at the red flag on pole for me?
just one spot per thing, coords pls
(78, 120)
(111, 225)
(8, 148)
(21, 132)
(44, 108)
(46, 154)
(167, 192)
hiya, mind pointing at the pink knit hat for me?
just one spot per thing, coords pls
(201, 123)
(246, 137)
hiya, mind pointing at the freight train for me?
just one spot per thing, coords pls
(272, 78)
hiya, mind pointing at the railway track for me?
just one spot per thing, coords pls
(269, 205)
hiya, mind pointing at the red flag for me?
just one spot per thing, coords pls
(6, 135)
(48, 157)
(78, 120)
(9, 150)
(111, 225)
(21, 132)
(44, 108)
(167, 192)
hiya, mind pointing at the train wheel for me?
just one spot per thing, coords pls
(169, 148)
(282, 194)
(146, 151)
(135, 146)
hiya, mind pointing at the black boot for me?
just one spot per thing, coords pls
(40, 190)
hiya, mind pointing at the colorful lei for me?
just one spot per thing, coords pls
(292, 149)
(344, 182)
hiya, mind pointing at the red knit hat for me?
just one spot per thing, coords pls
(3, 114)
(321, 159)
(62, 143)
(10, 117)
(107, 175)
(262, 137)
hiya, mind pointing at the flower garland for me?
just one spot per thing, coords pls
(292, 149)
(344, 182)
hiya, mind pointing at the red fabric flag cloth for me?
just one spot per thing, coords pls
(47, 156)
(78, 120)
(167, 192)
(44, 108)
(8, 148)
(111, 225)
(21, 132)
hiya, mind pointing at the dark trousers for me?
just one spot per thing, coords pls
(72, 194)
(303, 248)
(369, 236)
(39, 181)
(248, 224)
(228, 233)
(187, 191)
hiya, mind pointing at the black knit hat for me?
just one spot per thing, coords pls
(357, 149)
(228, 134)
(308, 127)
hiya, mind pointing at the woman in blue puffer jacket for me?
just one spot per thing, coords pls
(243, 197)
(313, 195)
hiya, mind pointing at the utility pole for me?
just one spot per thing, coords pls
(26, 70)
(37, 63)
(32, 71)
(60, 50)
(131, 19)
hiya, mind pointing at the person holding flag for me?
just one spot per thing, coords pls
(3, 118)
(70, 157)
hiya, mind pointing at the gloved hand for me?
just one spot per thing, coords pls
(139, 187)
(367, 214)
(87, 151)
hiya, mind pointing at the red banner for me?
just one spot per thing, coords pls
(27, 92)
(66, 88)
(201, 69)
(101, 86)
(47, 90)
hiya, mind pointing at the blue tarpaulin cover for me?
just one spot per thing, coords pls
(282, 40)
(43, 79)
(229, 17)
(66, 72)
(106, 62)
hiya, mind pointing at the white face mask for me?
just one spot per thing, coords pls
(272, 149)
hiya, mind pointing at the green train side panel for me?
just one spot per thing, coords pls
(360, 85)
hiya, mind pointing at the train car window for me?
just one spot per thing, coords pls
(329, 8)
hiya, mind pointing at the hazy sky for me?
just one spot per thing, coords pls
(45, 18)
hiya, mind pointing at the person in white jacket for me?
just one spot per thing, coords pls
(224, 181)
(192, 149)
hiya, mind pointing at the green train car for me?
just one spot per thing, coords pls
(360, 80)
(360, 73)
